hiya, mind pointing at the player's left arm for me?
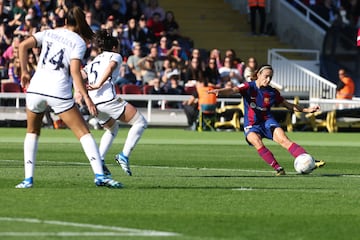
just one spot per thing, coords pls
(298, 108)
(106, 76)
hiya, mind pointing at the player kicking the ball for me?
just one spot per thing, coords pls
(259, 97)
(100, 74)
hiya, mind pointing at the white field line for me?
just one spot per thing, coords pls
(108, 230)
(156, 167)
(210, 141)
(182, 168)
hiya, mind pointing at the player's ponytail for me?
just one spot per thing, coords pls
(76, 18)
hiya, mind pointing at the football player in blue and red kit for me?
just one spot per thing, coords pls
(259, 123)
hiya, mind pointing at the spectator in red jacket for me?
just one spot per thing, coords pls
(156, 26)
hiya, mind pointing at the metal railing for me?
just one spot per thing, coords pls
(293, 77)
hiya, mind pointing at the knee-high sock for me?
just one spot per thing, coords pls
(268, 157)
(139, 124)
(92, 153)
(30, 150)
(107, 139)
(295, 150)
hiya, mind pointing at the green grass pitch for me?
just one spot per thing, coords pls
(185, 185)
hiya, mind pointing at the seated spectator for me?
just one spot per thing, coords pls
(163, 48)
(174, 88)
(177, 54)
(109, 24)
(172, 29)
(153, 7)
(236, 62)
(61, 7)
(32, 63)
(13, 50)
(26, 29)
(19, 11)
(156, 26)
(157, 88)
(193, 72)
(94, 25)
(251, 66)
(3, 66)
(145, 36)
(133, 10)
(229, 72)
(35, 16)
(59, 19)
(216, 54)
(5, 39)
(130, 31)
(211, 74)
(195, 53)
(44, 22)
(166, 77)
(98, 12)
(125, 76)
(153, 54)
(148, 72)
(125, 44)
(36, 51)
(7, 19)
(14, 72)
(166, 70)
(133, 62)
(118, 10)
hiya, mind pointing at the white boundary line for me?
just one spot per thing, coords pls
(112, 230)
(184, 168)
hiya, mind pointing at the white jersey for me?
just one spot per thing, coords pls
(52, 76)
(95, 70)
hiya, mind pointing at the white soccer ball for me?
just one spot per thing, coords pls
(304, 163)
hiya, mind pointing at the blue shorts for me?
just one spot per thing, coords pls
(265, 129)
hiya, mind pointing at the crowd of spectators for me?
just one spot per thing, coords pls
(153, 49)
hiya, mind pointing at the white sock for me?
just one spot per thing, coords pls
(139, 124)
(107, 139)
(92, 153)
(30, 150)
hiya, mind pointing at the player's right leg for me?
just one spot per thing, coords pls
(34, 122)
(73, 119)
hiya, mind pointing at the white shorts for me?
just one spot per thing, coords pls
(38, 103)
(112, 109)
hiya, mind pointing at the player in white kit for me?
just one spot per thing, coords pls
(59, 65)
(100, 74)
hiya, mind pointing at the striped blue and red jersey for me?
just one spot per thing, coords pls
(258, 102)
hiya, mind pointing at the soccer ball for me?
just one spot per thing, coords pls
(304, 163)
